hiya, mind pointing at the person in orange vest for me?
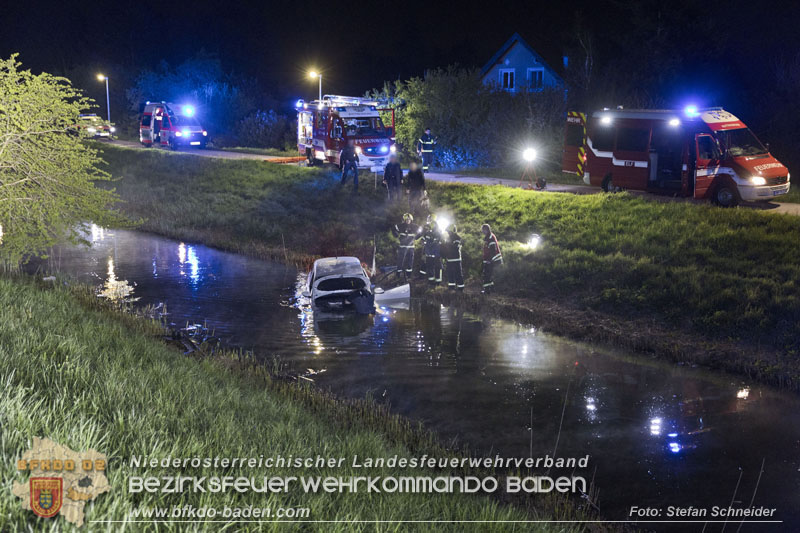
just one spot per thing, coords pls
(491, 257)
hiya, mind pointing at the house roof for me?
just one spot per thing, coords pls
(517, 38)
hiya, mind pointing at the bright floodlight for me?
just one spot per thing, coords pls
(691, 111)
(529, 154)
(313, 74)
(443, 222)
(100, 77)
(605, 121)
(188, 110)
(674, 122)
(534, 241)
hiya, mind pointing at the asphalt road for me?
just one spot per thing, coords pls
(769, 207)
(222, 154)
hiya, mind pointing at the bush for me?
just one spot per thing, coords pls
(263, 129)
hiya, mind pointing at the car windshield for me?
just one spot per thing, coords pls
(363, 126)
(740, 142)
(183, 120)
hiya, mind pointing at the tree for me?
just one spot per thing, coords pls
(47, 173)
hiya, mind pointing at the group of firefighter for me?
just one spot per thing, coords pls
(442, 245)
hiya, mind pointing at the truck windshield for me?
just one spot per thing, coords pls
(363, 126)
(740, 143)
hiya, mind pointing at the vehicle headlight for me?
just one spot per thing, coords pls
(757, 180)
(393, 149)
(358, 150)
(178, 134)
(91, 130)
(113, 129)
(205, 133)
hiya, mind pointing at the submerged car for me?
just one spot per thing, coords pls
(340, 284)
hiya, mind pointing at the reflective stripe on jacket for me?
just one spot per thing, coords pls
(491, 249)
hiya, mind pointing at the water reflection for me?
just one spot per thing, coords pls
(662, 432)
(114, 289)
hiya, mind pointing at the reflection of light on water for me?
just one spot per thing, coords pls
(187, 255)
(194, 264)
(306, 316)
(655, 426)
(743, 394)
(116, 290)
(98, 233)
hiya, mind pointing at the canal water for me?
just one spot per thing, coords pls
(657, 434)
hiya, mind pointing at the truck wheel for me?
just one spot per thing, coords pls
(310, 161)
(726, 196)
(608, 184)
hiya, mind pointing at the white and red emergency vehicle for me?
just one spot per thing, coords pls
(170, 126)
(324, 127)
(700, 153)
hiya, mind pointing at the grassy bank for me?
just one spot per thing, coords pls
(87, 376)
(514, 173)
(729, 276)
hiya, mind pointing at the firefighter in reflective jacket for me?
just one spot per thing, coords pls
(491, 257)
(425, 148)
(407, 233)
(432, 240)
(452, 256)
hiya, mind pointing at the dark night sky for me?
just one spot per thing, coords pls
(359, 45)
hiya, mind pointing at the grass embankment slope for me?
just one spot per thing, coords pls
(730, 276)
(90, 377)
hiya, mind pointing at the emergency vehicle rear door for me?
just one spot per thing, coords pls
(573, 158)
(706, 163)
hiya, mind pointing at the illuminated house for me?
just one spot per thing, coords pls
(517, 66)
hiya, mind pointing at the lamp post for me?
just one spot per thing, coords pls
(100, 77)
(314, 74)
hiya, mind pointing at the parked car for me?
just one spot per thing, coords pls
(92, 126)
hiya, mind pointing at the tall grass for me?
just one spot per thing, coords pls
(88, 376)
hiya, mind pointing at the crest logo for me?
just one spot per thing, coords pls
(46, 495)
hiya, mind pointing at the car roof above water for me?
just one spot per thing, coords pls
(332, 266)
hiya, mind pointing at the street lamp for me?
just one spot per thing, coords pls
(100, 77)
(314, 74)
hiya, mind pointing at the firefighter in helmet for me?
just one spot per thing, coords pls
(432, 241)
(452, 257)
(492, 257)
(407, 232)
(425, 149)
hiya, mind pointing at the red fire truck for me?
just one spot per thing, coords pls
(171, 126)
(700, 153)
(325, 126)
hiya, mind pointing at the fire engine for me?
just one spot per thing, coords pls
(700, 153)
(170, 126)
(325, 126)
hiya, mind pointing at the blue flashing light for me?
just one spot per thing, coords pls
(186, 132)
(188, 110)
(691, 111)
(673, 435)
(386, 319)
(299, 104)
(674, 447)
